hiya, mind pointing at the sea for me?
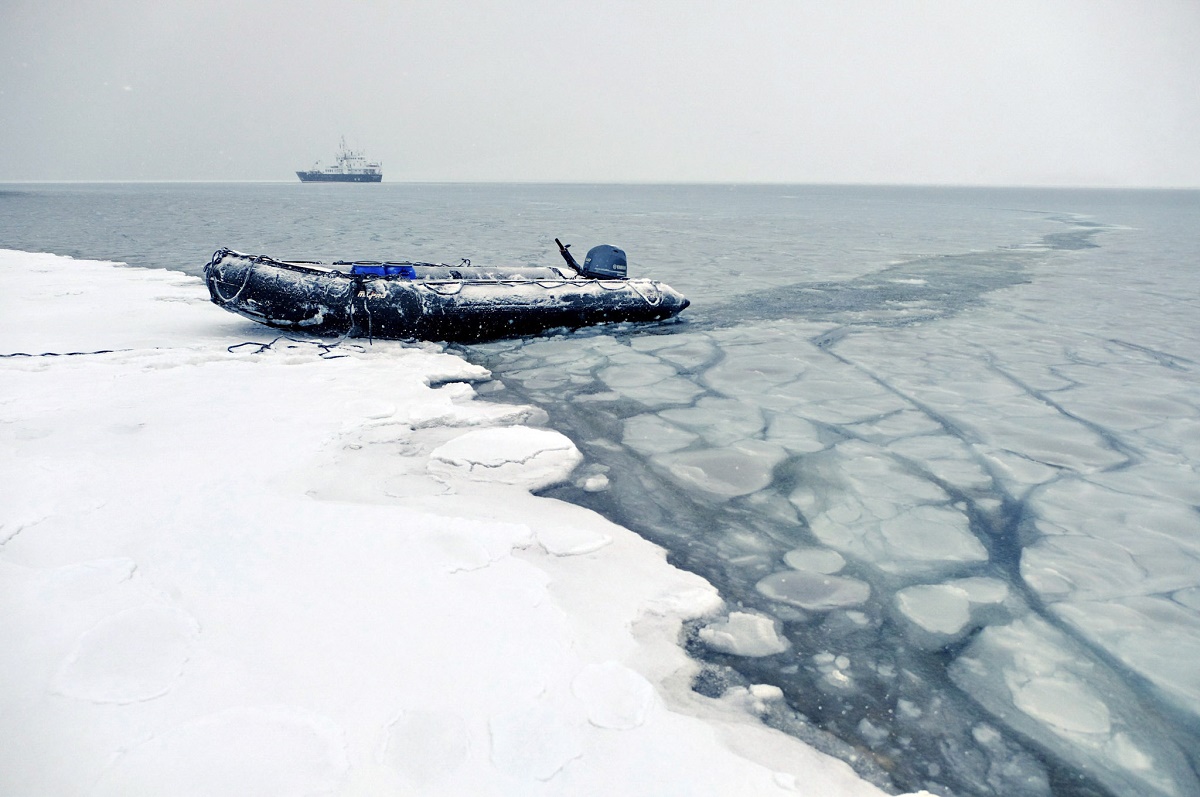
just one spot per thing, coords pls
(938, 448)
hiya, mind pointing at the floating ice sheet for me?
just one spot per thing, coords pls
(937, 608)
(815, 591)
(744, 634)
(650, 434)
(739, 469)
(1155, 637)
(918, 539)
(816, 560)
(720, 422)
(1047, 687)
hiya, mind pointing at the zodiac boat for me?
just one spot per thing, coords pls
(436, 301)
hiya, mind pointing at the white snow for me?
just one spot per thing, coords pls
(515, 455)
(239, 570)
(614, 696)
(136, 654)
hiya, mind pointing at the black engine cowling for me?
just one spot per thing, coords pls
(605, 262)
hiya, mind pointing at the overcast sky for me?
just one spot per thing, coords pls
(1043, 92)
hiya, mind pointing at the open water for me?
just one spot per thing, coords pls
(938, 448)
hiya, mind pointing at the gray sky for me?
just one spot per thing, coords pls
(1043, 92)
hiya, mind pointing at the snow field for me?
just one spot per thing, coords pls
(231, 569)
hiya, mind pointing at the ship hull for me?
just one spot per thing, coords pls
(323, 177)
(328, 302)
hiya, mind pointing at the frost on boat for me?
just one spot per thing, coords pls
(433, 301)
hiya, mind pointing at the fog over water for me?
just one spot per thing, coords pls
(1065, 92)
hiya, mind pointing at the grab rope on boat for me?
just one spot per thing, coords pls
(658, 294)
(464, 262)
(632, 285)
(217, 257)
(456, 284)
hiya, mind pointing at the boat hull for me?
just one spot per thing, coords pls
(325, 177)
(330, 302)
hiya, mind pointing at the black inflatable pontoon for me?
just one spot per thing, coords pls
(435, 301)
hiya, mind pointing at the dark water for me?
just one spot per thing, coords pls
(708, 232)
(943, 440)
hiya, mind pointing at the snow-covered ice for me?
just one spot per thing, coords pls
(250, 569)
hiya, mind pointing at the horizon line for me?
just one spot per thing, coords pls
(715, 183)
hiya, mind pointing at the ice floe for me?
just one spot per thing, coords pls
(1043, 685)
(532, 458)
(742, 468)
(937, 608)
(818, 560)
(744, 634)
(816, 591)
(915, 540)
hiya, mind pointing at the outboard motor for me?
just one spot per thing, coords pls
(605, 262)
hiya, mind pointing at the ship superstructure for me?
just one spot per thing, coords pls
(351, 167)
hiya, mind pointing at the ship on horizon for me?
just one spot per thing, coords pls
(351, 167)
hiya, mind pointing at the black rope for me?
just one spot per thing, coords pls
(63, 353)
(327, 349)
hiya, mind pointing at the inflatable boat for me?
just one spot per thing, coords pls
(436, 301)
